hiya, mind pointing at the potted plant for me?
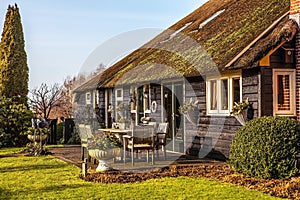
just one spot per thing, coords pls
(188, 110)
(102, 147)
(239, 111)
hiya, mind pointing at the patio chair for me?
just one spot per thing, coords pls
(85, 132)
(142, 139)
(161, 138)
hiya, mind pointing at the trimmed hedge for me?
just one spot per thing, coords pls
(266, 147)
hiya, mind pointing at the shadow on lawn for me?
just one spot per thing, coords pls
(39, 191)
(4, 194)
(31, 167)
(61, 187)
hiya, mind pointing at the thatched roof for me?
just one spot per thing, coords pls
(283, 32)
(90, 84)
(207, 40)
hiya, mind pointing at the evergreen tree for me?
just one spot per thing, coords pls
(13, 58)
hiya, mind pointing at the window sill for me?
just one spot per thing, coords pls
(285, 115)
(219, 114)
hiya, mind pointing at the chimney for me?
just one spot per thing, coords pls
(295, 10)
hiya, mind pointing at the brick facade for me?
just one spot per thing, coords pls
(297, 55)
(295, 6)
(294, 14)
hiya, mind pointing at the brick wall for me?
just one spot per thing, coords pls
(297, 55)
(294, 14)
(294, 6)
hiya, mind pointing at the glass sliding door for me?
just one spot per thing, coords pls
(173, 98)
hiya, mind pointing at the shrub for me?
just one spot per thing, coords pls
(60, 131)
(74, 139)
(266, 147)
(15, 123)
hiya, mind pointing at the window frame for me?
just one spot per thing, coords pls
(230, 94)
(292, 82)
(88, 98)
(119, 100)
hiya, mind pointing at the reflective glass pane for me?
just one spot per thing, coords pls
(283, 92)
(224, 94)
(213, 95)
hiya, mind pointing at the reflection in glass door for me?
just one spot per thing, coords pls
(173, 98)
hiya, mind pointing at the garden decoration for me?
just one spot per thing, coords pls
(188, 109)
(104, 147)
(37, 135)
(239, 111)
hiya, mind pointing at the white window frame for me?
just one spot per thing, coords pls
(230, 95)
(292, 74)
(88, 98)
(119, 99)
(148, 99)
(96, 98)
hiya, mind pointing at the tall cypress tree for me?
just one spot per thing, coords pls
(13, 59)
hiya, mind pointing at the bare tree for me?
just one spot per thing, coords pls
(42, 100)
(66, 108)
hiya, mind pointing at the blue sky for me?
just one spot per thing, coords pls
(61, 34)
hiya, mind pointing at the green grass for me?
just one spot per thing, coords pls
(4, 151)
(49, 178)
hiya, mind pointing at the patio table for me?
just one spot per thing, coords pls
(118, 132)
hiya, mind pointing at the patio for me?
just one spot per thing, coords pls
(72, 154)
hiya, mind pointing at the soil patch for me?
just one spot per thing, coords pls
(224, 173)
(220, 171)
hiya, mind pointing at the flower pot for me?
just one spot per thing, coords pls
(190, 116)
(121, 125)
(102, 155)
(240, 118)
(37, 138)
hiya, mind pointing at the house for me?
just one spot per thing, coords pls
(86, 100)
(223, 52)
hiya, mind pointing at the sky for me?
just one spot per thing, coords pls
(61, 35)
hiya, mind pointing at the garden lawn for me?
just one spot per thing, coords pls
(46, 177)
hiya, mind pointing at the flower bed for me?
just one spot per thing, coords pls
(275, 187)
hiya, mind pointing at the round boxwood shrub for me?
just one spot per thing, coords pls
(266, 147)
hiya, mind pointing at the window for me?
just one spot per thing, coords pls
(222, 93)
(119, 95)
(120, 106)
(96, 98)
(147, 98)
(284, 92)
(88, 98)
